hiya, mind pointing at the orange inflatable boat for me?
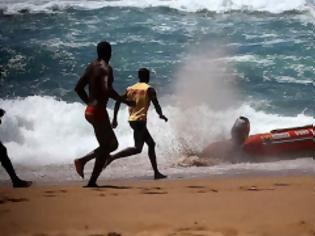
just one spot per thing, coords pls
(290, 142)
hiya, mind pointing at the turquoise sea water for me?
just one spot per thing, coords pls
(272, 55)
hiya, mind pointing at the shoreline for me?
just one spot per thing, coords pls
(65, 174)
(176, 177)
(282, 205)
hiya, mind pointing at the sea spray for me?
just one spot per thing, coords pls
(204, 85)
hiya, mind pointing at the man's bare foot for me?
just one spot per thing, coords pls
(91, 185)
(22, 184)
(79, 167)
(159, 176)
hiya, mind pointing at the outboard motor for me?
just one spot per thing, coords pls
(240, 130)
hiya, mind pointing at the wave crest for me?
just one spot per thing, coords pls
(218, 6)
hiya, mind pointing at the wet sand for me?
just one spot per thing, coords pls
(222, 206)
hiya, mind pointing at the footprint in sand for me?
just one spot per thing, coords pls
(194, 228)
(49, 194)
(109, 234)
(203, 231)
(149, 188)
(56, 191)
(195, 186)
(203, 189)
(49, 191)
(8, 199)
(192, 231)
(281, 184)
(157, 188)
(52, 193)
(113, 234)
(208, 191)
(114, 187)
(255, 188)
(17, 199)
(153, 192)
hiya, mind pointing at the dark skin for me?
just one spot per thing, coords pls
(2, 112)
(7, 165)
(99, 79)
(141, 135)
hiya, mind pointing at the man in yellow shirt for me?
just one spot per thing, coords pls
(142, 94)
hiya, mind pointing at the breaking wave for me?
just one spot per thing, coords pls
(218, 6)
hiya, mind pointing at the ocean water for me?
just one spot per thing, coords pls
(211, 61)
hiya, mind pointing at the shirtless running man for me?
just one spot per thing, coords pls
(99, 78)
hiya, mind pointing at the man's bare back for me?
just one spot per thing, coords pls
(99, 79)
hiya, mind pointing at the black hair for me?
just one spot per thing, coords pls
(239, 131)
(144, 75)
(104, 50)
(244, 119)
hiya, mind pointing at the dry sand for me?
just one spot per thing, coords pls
(281, 206)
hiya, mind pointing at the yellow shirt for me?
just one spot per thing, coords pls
(139, 94)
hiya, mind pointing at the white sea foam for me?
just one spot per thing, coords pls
(47, 131)
(288, 79)
(44, 135)
(252, 59)
(14, 6)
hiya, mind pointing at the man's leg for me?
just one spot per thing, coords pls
(108, 143)
(138, 135)
(7, 165)
(80, 162)
(151, 151)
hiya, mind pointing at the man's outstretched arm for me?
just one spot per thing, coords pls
(153, 98)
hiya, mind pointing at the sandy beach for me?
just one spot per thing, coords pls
(223, 206)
